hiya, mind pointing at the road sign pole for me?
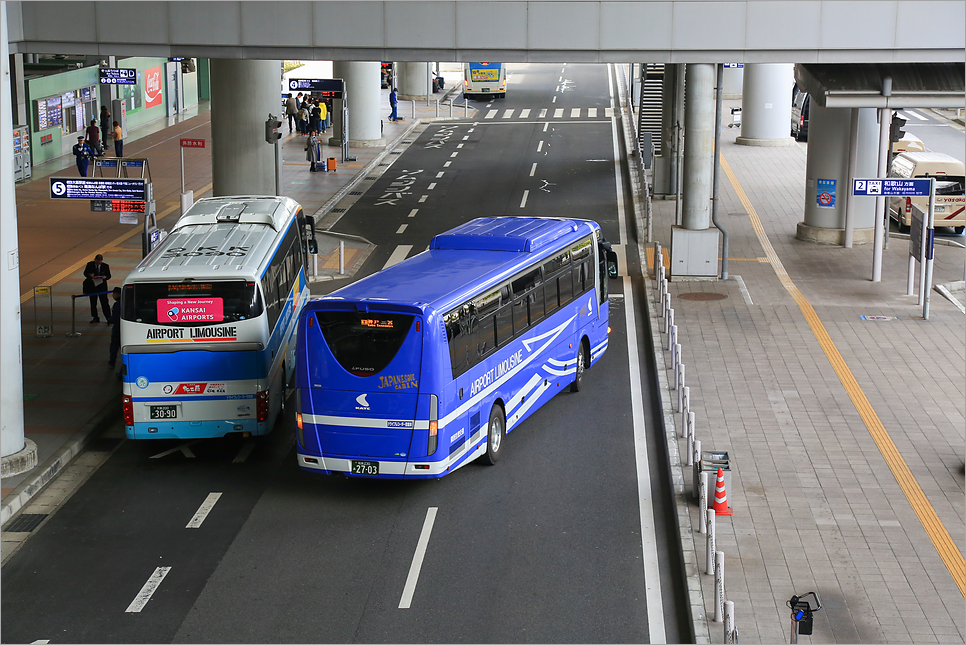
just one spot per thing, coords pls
(182, 169)
(930, 250)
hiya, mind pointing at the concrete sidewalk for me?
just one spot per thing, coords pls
(70, 393)
(845, 434)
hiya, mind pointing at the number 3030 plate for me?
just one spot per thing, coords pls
(365, 467)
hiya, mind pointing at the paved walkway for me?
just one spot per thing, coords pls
(845, 434)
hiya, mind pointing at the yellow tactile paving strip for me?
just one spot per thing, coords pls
(943, 542)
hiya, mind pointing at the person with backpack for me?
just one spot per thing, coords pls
(301, 120)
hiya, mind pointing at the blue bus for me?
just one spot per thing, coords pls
(208, 320)
(421, 368)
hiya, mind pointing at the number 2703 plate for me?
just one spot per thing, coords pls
(365, 467)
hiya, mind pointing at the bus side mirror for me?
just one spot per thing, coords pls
(313, 246)
(611, 264)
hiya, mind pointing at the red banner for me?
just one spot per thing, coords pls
(152, 87)
(192, 143)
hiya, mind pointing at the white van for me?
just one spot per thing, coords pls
(908, 143)
(950, 174)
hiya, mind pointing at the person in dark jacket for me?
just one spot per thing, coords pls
(106, 119)
(393, 101)
(96, 274)
(83, 154)
(115, 323)
(94, 137)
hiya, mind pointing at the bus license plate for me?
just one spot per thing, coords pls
(365, 467)
(164, 411)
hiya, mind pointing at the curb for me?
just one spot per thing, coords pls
(49, 470)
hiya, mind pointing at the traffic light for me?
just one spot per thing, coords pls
(895, 131)
(272, 133)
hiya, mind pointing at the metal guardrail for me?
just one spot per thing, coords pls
(73, 310)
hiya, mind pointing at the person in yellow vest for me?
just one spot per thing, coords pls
(118, 140)
(323, 113)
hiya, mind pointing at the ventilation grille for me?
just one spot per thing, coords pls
(25, 523)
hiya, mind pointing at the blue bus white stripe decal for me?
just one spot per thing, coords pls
(364, 422)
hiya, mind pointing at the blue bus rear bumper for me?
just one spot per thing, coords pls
(194, 429)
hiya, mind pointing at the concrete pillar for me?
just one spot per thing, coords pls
(828, 159)
(698, 160)
(243, 94)
(12, 441)
(766, 104)
(19, 90)
(731, 83)
(413, 81)
(363, 92)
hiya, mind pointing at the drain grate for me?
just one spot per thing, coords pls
(701, 295)
(371, 178)
(26, 523)
(339, 210)
(355, 192)
(384, 165)
(396, 152)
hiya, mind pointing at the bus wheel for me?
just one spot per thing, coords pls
(581, 367)
(495, 434)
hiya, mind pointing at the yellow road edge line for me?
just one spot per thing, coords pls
(950, 554)
(110, 246)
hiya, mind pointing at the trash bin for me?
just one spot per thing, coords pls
(330, 164)
(710, 462)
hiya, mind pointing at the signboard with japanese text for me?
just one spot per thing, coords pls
(192, 143)
(329, 88)
(891, 187)
(97, 188)
(825, 193)
(118, 76)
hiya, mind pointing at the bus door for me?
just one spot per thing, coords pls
(363, 390)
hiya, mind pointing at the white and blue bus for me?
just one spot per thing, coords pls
(417, 370)
(209, 319)
(480, 79)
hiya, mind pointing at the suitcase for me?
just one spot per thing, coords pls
(330, 164)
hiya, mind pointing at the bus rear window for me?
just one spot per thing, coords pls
(363, 343)
(190, 304)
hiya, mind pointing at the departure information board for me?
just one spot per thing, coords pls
(97, 188)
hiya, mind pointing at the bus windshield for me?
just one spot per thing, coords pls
(363, 343)
(190, 304)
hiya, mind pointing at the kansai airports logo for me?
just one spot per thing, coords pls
(363, 404)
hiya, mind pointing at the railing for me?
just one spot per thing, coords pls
(73, 311)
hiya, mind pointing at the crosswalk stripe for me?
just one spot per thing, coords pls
(558, 113)
(507, 114)
(915, 115)
(608, 111)
(575, 113)
(398, 255)
(543, 113)
(591, 112)
(524, 113)
(491, 114)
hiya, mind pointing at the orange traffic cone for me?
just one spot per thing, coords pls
(721, 496)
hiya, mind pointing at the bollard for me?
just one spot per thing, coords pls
(451, 108)
(671, 321)
(703, 503)
(414, 109)
(681, 388)
(690, 445)
(671, 339)
(315, 264)
(695, 459)
(730, 633)
(341, 257)
(685, 405)
(466, 105)
(73, 333)
(658, 257)
(676, 362)
(719, 586)
(437, 109)
(709, 544)
(690, 424)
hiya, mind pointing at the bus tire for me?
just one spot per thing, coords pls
(495, 435)
(582, 361)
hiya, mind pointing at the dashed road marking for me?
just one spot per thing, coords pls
(413, 212)
(398, 255)
(543, 114)
(147, 590)
(539, 146)
(558, 113)
(574, 113)
(524, 113)
(410, 588)
(401, 229)
(491, 114)
(523, 202)
(533, 169)
(507, 114)
(591, 113)
(423, 198)
(439, 174)
(454, 154)
(432, 186)
(446, 165)
(203, 510)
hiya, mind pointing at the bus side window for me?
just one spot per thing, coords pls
(271, 297)
(565, 287)
(456, 333)
(504, 324)
(536, 304)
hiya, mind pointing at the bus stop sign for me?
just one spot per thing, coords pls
(891, 187)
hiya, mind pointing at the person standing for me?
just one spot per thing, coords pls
(105, 124)
(323, 113)
(96, 274)
(94, 137)
(312, 151)
(83, 154)
(317, 116)
(291, 109)
(115, 323)
(301, 120)
(393, 101)
(118, 140)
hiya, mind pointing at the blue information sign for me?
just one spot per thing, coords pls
(97, 188)
(825, 193)
(891, 187)
(330, 88)
(118, 76)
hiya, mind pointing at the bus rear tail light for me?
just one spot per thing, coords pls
(908, 205)
(261, 406)
(433, 424)
(801, 121)
(127, 409)
(300, 433)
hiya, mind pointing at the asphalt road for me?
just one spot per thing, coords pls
(546, 546)
(937, 134)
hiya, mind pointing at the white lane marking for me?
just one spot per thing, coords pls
(454, 154)
(490, 114)
(410, 588)
(524, 113)
(439, 174)
(540, 146)
(609, 112)
(471, 129)
(533, 169)
(556, 90)
(401, 229)
(592, 113)
(459, 145)
(446, 165)
(543, 113)
(744, 290)
(432, 186)
(574, 113)
(245, 451)
(554, 100)
(183, 448)
(42, 641)
(413, 212)
(560, 80)
(423, 198)
(466, 137)
(914, 115)
(558, 113)
(523, 202)
(653, 597)
(147, 590)
(507, 114)
(398, 255)
(203, 510)
(546, 125)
